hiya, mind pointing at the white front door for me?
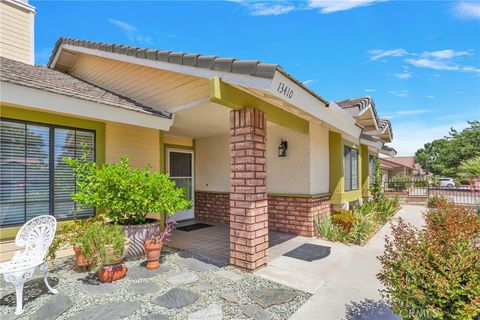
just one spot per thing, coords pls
(180, 169)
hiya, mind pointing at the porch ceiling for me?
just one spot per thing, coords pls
(205, 120)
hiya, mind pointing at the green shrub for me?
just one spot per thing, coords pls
(434, 272)
(421, 183)
(399, 183)
(344, 219)
(126, 194)
(103, 243)
(437, 201)
(328, 230)
(385, 208)
(364, 224)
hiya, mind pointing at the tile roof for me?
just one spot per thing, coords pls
(46, 79)
(361, 103)
(247, 67)
(404, 161)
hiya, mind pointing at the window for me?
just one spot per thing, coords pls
(350, 162)
(372, 163)
(34, 179)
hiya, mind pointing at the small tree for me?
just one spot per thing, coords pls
(376, 187)
(470, 170)
(434, 272)
(127, 195)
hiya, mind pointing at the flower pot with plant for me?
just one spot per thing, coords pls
(104, 245)
(127, 195)
(154, 243)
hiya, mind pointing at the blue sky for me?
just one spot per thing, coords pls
(420, 61)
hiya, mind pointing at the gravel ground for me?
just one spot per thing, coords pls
(69, 284)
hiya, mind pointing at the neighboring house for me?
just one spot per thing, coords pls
(253, 146)
(394, 166)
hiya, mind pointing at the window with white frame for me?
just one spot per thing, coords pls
(34, 178)
(350, 164)
(372, 164)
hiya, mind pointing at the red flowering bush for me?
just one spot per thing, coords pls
(434, 272)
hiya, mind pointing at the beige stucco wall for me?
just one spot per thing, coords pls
(212, 163)
(141, 145)
(289, 175)
(16, 32)
(319, 159)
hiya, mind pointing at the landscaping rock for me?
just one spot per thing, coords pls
(182, 277)
(202, 287)
(193, 264)
(176, 298)
(145, 287)
(144, 273)
(98, 289)
(111, 310)
(229, 297)
(155, 316)
(212, 312)
(269, 297)
(53, 307)
(255, 312)
(230, 275)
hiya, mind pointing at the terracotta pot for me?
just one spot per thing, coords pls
(112, 272)
(153, 251)
(80, 259)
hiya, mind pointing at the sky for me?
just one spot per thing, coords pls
(418, 60)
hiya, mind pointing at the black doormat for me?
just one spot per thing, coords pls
(195, 226)
(309, 252)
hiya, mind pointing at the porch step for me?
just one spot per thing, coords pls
(8, 249)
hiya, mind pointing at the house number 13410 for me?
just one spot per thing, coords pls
(285, 90)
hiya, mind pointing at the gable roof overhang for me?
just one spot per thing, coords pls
(265, 81)
(23, 96)
(388, 151)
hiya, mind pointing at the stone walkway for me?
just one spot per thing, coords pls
(185, 287)
(344, 284)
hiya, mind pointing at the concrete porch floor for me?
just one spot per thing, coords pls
(214, 242)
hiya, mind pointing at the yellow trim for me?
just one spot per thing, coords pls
(8, 233)
(337, 171)
(296, 195)
(162, 152)
(234, 98)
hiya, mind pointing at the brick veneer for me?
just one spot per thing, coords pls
(212, 206)
(295, 215)
(248, 189)
(287, 214)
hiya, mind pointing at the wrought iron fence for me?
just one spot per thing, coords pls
(422, 190)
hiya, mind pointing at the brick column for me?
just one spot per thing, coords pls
(248, 193)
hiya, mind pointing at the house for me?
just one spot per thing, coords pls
(253, 146)
(394, 166)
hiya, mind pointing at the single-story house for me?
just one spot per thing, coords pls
(254, 147)
(394, 166)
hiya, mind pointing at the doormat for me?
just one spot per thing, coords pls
(195, 226)
(309, 252)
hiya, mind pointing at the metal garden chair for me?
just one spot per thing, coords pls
(35, 237)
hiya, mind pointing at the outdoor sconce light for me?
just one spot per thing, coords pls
(282, 148)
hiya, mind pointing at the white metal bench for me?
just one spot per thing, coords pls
(35, 237)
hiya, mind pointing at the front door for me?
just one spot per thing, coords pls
(180, 169)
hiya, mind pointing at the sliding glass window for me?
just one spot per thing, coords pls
(34, 179)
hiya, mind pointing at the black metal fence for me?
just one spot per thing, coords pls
(422, 190)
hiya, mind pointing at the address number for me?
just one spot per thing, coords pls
(285, 90)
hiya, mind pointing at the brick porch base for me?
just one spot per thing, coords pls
(287, 214)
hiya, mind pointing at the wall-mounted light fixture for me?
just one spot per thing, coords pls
(282, 148)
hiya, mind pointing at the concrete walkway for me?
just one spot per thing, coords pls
(344, 284)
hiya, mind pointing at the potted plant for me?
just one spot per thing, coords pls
(127, 196)
(104, 245)
(154, 243)
(69, 235)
